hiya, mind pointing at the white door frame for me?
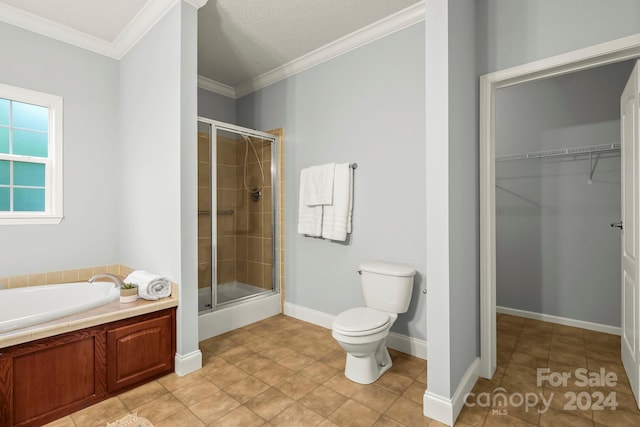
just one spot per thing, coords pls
(601, 54)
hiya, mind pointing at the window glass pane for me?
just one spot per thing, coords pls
(4, 199)
(4, 112)
(28, 116)
(28, 199)
(30, 143)
(31, 174)
(4, 140)
(4, 172)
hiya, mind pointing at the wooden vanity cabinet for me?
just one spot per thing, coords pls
(49, 378)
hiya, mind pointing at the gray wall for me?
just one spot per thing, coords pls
(216, 107)
(366, 106)
(556, 253)
(88, 84)
(464, 269)
(516, 32)
(158, 153)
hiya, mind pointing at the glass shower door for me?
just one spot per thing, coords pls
(242, 220)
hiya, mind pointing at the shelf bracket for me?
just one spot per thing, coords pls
(592, 165)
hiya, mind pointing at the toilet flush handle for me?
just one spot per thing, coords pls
(360, 272)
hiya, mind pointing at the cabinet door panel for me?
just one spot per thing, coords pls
(139, 351)
(52, 378)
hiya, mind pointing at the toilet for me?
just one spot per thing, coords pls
(362, 331)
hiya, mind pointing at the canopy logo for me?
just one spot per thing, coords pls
(500, 401)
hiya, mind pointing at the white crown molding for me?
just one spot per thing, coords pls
(398, 21)
(45, 27)
(216, 87)
(196, 3)
(144, 20)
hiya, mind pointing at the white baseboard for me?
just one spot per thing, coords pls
(413, 346)
(188, 363)
(438, 408)
(309, 315)
(403, 343)
(447, 410)
(560, 320)
(466, 385)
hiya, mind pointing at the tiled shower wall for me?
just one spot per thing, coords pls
(204, 212)
(244, 226)
(254, 249)
(227, 210)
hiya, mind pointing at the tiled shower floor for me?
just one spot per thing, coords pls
(227, 292)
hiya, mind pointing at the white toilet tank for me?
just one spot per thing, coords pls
(386, 286)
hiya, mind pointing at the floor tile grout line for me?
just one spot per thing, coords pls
(210, 351)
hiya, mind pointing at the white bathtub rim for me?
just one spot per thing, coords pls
(104, 293)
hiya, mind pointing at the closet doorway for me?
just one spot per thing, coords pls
(557, 192)
(576, 61)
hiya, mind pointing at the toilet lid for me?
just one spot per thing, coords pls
(361, 319)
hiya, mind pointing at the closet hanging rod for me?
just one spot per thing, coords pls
(575, 151)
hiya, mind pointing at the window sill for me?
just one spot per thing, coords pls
(29, 219)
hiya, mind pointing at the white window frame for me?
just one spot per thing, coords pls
(53, 163)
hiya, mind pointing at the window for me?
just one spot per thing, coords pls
(30, 157)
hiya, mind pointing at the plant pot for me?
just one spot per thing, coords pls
(128, 295)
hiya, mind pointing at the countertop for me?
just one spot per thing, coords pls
(85, 319)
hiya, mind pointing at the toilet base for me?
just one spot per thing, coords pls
(367, 368)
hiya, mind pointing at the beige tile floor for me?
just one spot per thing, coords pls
(284, 372)
(525, 345)
(277, 372)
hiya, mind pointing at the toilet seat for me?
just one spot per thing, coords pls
(361, 321)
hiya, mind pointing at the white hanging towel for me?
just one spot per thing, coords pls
(319, 185)
(309, 217)
(336, 218)
(150, 286)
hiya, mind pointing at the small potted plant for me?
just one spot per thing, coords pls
(128, 292)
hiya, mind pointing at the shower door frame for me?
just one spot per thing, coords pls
(275, 212)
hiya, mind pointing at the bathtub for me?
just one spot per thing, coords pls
(28, 306)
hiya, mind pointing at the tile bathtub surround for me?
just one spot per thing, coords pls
(277, 372)
(63, 276)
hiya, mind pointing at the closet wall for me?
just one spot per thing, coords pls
(556, 252)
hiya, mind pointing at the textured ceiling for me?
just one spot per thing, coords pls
(241, 39)
(103, 19)
(238, 40)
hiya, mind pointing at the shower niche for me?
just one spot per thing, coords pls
(238, 215)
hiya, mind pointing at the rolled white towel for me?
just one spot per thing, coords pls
(150, 286)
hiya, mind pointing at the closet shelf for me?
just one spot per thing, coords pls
(575, 151)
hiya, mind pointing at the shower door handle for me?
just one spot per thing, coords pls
(617, 225)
